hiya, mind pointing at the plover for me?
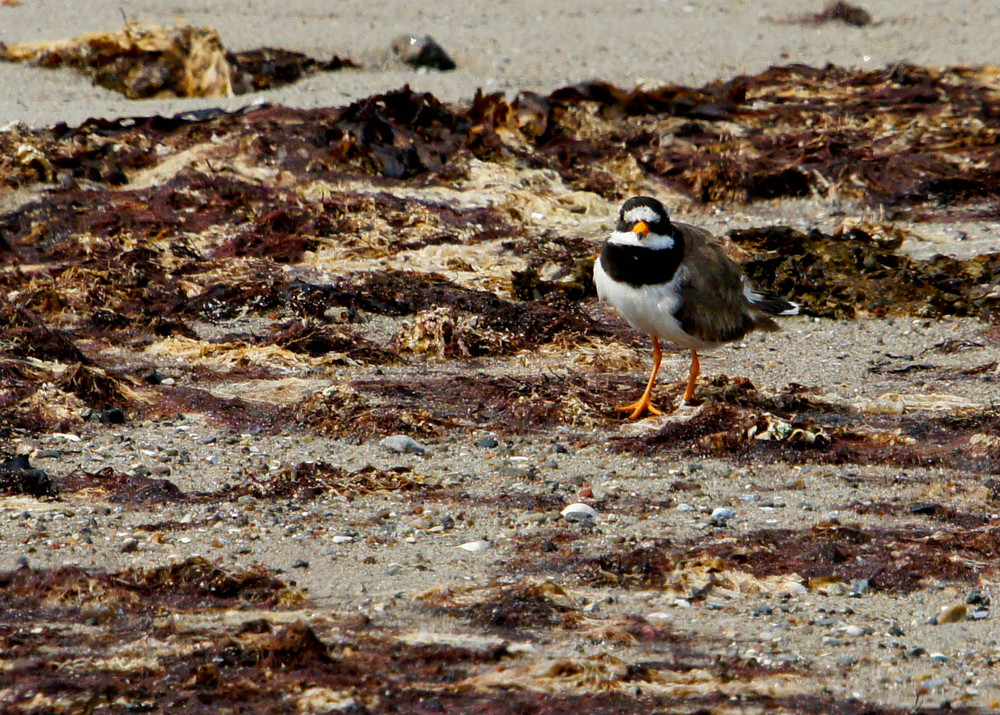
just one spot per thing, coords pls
(673, 281)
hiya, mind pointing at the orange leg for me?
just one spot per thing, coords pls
(643, 403)
(693, 378)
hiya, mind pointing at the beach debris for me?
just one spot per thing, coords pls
(422, 52)
(475, 546)
(841, 11)
(145, 60)
(308, 481)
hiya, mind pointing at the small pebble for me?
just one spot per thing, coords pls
(474, 546)
(402, 444)
(952, 614)
(859, 588)
(300, 564)
(488, 442)
(511, 471)
(976, 597)
(793, 588)
(578, 512)
(846, 661)
(130, 545)
(939, 657)
(721, 515)
(422, 52)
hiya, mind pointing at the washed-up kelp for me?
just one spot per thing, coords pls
(840, 276)
(270, 242)
(915, 142)
(145, 60)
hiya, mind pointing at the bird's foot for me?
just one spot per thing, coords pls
(638, 407)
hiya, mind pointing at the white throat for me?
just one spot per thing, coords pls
(653, 240)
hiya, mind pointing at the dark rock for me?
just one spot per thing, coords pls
(422, 52)
(17, 476)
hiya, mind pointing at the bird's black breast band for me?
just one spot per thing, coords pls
(640, 266)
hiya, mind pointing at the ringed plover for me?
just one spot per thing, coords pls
(674, 282)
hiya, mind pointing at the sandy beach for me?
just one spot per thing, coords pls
(297, 419)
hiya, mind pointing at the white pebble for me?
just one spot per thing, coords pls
(578, 512)
(793, 588)
(402, 444)
(474, 546)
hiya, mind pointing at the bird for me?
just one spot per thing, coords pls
(673, 281)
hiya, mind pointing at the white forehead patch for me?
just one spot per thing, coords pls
(641, 213)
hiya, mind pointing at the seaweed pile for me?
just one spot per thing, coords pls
(147, 236)
(145, 60)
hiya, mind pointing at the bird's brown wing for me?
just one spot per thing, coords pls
(713, 305)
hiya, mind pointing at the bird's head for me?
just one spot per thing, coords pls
(643, 221)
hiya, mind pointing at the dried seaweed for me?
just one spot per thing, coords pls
(194, 583)
(132, 489)
(146, 60)
(309, 480)
(859, 272)
(515, 608)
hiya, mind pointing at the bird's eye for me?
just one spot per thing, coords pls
(623, 226)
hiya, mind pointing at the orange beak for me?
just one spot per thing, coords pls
(642, 228)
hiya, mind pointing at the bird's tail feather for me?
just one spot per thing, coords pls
(773, 305)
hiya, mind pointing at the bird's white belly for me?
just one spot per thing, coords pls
(650, 308)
